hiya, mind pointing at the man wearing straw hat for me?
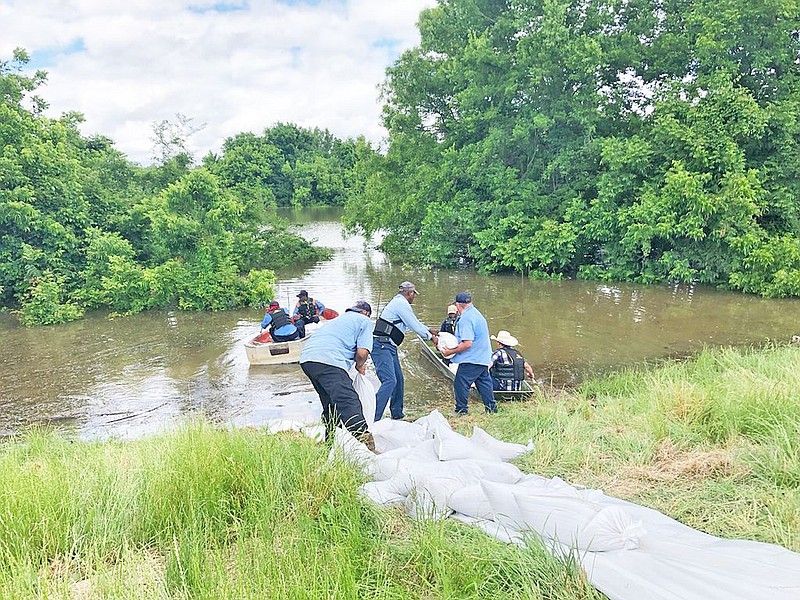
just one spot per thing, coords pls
(509, 367)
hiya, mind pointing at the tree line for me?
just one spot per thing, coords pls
(637, 140)
(83, 228)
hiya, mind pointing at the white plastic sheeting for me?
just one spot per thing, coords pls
(629, 552)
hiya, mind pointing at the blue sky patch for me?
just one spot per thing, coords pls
(220, 7)
(388, 44)
(310, 2)
(46, 57)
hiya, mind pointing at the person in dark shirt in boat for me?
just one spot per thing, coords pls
(509, 367)
(280, 325)
(449, 324)
(307, 309)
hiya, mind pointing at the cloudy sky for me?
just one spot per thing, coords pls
(232, 65)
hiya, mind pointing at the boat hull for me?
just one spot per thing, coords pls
(449, 371)
(277, 353)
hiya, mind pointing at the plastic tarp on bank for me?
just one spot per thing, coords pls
(629, 552)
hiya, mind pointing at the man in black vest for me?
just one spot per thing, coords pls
(280, 325)
(509, 367)
(307, 309)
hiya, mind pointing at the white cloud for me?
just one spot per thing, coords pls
(314, 64)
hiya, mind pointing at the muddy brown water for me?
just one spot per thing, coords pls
(137, 375)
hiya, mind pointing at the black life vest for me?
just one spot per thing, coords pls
(279, 319)
(384, 328)
(510, 372)
(307, 309)
(449, 326)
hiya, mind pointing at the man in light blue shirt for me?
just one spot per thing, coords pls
(395, 320)
(473, 355)
(326, 359)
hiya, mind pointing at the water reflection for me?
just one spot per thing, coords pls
(133, 376)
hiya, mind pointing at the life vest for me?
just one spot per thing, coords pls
(509, 372)
(279, 319)
(449, 326)
(307, 309)
(389, 329)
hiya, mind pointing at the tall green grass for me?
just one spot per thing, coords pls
(212, 513)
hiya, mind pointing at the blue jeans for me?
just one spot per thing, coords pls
(387, 366)
(466, 375)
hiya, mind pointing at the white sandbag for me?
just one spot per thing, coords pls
(384, 465)
(454, 446)
(433, 421)
(505, 450)
(493, 529)
(381, 493)
(465, 471)
(390, 434)
(498, 472)
(425, 452)
(556, 518)
(366, 393)
(505, 507)
(446, 341)
(472, 502)
(349, 448)
(401, 483)
(612, 528)
(428, 500)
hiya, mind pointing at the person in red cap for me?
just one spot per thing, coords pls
(280, 325)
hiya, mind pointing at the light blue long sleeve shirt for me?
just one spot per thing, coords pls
(336, 342)
(399, 308)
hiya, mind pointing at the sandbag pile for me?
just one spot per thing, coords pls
(628, 551)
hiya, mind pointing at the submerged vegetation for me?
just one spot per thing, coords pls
(205, 512)
(642, 141)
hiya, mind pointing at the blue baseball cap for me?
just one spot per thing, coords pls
(463, 297)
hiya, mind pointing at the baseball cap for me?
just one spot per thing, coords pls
(451, 309)
(361, 305)
(302, 293)
(407, 286)
(463, 298)
(274, 303)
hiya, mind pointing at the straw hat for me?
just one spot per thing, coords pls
(505, 338)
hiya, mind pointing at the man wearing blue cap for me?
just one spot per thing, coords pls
(390, 329)
(326, 359)
(473, 355)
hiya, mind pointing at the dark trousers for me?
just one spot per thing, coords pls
(467, 374)
(299, 334)
(307, 320)
(340, 402)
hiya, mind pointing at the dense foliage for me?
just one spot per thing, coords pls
(636, 140)
(84, 228)
(287, 166)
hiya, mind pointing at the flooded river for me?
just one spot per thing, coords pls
(136, 375)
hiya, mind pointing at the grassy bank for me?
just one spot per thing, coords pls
(209, 513)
